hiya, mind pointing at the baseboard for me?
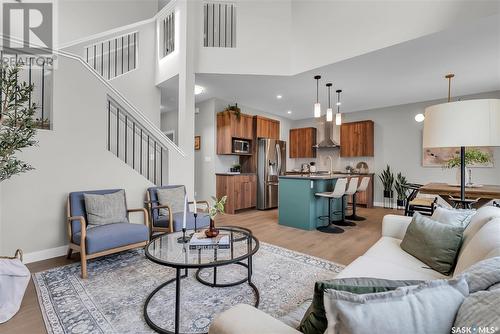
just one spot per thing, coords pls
(45, 254)
(378, 204)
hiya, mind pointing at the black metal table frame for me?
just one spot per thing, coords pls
(178, 276)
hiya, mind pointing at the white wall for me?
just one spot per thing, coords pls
(169, 122)
(207, 162)
(398, 142)
(82, 18)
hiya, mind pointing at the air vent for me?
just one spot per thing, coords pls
(219, 25)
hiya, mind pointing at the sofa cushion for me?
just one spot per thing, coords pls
(484, 243)
(202, 220)
(110, 236)
(482, 216)
(294, 317)
(433, 243)
(105, 209)
(404, 310)
(314, 320)
(458, 217)
(481, 309)
(482, 275)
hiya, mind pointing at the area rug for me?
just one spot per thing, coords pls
(111, 300)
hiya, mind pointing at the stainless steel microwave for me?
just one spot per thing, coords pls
(241, 146)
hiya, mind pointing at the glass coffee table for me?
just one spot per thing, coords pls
(166, 250)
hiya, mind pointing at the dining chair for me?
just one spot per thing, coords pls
(101, 240)
(413, 203)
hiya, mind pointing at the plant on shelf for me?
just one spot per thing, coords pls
(17, 123)
(213, 210)
(473, 156)
(235, 109)
(387, 178)
(401, 186)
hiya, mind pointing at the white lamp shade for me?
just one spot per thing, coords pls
(317, 110)
(462, 123)
(338, 119)
(329, 115)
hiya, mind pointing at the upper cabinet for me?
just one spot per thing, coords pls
(230, 126)
(301, 142)
(356, 139)
(267, 127)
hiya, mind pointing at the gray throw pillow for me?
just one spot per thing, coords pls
(458, 217)
(174, 197)
(480, 309)
(433, 243)
(428, 308)
(483, 274)
(105, 209)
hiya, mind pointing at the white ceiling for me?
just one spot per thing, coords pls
(405, 73)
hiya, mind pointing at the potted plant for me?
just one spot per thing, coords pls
(236, 168)
(235, 109)
(401, 186)
(387, 178)
(213, 211)
(473, 156)
(17, 123)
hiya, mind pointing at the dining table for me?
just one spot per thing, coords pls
(482, 193)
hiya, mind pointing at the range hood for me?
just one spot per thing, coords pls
(327, 141)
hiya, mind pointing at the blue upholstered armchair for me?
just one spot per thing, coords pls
(165, 218)
(103, 239)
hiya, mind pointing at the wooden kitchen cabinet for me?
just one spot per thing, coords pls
(230, 126)
(266, 127)
(241, 191)
(357, 139)
(301, 142)
(364, 198)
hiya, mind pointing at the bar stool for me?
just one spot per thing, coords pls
(351, 191)
(338, 192)
(365, 181)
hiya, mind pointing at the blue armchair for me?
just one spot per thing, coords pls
(171, 221)
(101, 240)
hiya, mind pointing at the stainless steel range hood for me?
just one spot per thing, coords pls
(327, 141)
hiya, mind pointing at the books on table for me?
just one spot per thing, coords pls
(200, 241)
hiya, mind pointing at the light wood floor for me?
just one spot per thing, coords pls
(340, 248)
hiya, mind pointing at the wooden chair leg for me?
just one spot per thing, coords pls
(83, 258)
(70, 251)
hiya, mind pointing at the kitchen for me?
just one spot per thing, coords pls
(303, 155)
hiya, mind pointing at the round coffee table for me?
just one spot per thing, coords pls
(167, 251)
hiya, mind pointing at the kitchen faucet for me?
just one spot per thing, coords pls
(331, 163)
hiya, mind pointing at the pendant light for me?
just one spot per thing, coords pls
(338, 116)
(317, 105)
(329, 111)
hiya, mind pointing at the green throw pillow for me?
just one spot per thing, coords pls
(314, 320)
(434, 243)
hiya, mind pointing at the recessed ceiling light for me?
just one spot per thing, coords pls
(198, 90)
(419, 118)
(279, 96)
(289, 112)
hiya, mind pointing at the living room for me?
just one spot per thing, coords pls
(250, 167)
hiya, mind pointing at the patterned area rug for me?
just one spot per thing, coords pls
(111, 300)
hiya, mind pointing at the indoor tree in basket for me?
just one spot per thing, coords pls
(213, 211)
(17, 124)
(387, 178)
(473, 157)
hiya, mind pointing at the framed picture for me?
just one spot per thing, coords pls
(197, 142)
(438, 157)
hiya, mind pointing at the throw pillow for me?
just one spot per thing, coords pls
(433, 243)
(480, 309)
(483, 274)
(458, 217)
(314, 320)
(174, 197)
(105, 209)
(428, 308)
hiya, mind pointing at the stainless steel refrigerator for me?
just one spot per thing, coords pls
(271, 163)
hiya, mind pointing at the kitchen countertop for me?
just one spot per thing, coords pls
(320, 176)
(234, 174)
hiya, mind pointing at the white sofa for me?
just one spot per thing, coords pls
(385, 259)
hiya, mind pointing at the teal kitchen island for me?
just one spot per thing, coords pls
(299, 207)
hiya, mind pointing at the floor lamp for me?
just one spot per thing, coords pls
(468, 123)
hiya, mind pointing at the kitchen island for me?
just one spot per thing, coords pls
(298, 205)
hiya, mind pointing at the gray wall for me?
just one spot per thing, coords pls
(398, 142)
